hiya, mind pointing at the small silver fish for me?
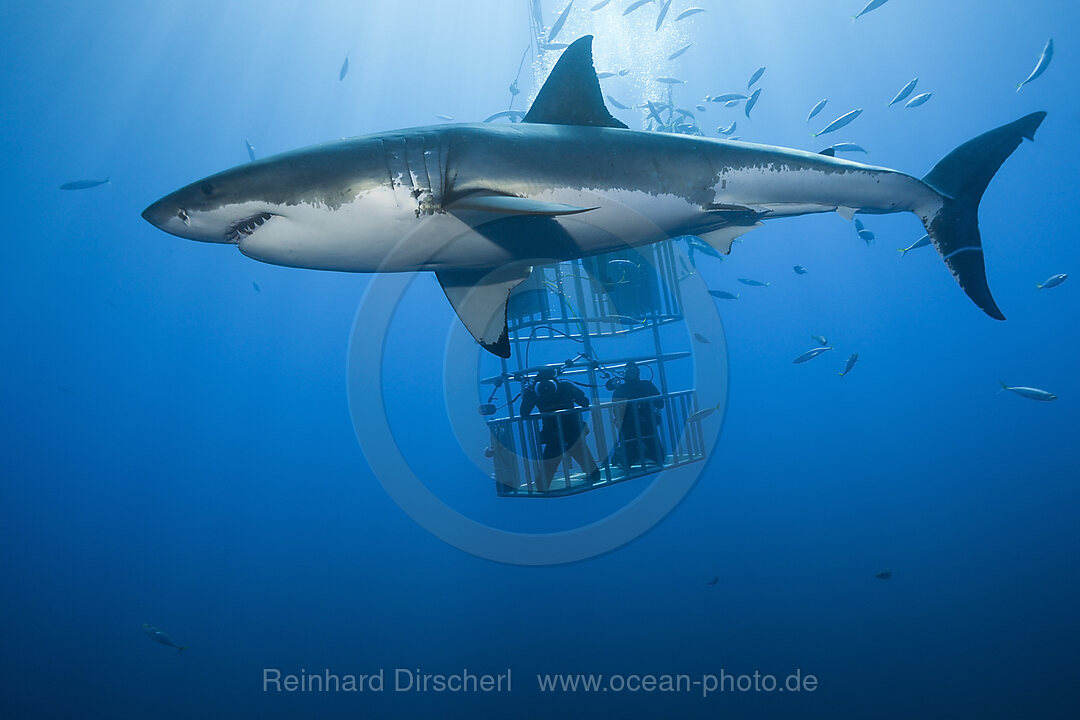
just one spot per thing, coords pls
(634, 6)
(840, 122)
(867, 236)
(816, 109)
(513, 115)
(843, 147)
(445, 118)
(799, 270)
(687, 13)
(921, 242)
(723, 295)
(344, 69)
(1053, 281)
(1040, 67)
(702, 414)
(811, 354)
(251, 151)
(83, 184)
(726, 130)
(702, 339)
(680, 51)
(604, 75)
(904, 92)
(753, 283)
(670, 81)
(872, 5)
(852, 359)
(731, 103)
(256, 286)
(1030, 393)
(663, 13)
(616, 103)
(557, 26)
(752, 101)
(918, 100)
(728, 97)
(158, 636)
(755, 77)
(599, 6)
(820, 340)
(654, 113)
(699, 108)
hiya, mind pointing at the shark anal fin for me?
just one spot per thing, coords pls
(479, 298)
(571, 95)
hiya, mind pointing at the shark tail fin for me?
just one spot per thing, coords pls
(961, 178)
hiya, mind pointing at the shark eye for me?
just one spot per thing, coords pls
(207, 188)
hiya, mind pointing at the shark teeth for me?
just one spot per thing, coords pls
(244, 228)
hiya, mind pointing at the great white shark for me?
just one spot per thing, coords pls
(480, 204)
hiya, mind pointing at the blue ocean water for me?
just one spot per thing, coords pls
(178, 448)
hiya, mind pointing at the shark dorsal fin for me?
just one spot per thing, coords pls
(571, 95)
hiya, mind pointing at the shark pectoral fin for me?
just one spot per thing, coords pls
(571, 94)
(512, 205)
(848, 213)
(479, 299)
(721, 239)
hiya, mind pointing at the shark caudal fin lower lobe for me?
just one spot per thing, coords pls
(961, 178)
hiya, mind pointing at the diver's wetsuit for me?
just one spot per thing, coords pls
(571, 442)
(639, 432)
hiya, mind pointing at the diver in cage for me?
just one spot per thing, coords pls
(561, 435)
(638, 419)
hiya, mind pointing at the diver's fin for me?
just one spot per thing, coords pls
(571, 94)
(479, 299)
(722, 238)
(961, 178)
(512, 205)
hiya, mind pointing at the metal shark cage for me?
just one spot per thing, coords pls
(586, 320)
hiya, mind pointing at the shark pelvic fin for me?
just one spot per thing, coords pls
(722, 239)
(479, 299)
(511, 205)
(571, 95)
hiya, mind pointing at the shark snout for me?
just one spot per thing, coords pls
(171, 215)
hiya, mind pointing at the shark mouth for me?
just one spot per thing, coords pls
(246, 227)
